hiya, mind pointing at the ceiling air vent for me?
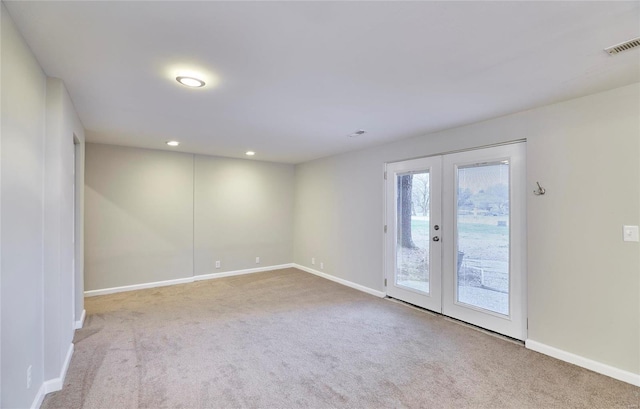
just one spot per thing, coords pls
(357, 133)
(627, 45)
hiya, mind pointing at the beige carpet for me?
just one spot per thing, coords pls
(288, 339)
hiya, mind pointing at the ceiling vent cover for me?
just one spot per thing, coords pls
(627, 45)
(357, 133)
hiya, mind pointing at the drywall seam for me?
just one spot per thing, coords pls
(193, 215)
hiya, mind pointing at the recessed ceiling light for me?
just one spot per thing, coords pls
(173, 143)
(191, 82)
(249, 153)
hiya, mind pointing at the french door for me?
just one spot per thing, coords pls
(455, 240)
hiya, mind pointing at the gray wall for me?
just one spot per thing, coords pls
(140, 220)
(79, 231)
(62, 125)
(243, 210)
(139, 216)
(583, 281)
(36, 208)
(21, 186)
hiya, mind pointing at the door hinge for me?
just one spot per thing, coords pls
(385, 228)
(385, 282)
(527, 323)
(385, 175)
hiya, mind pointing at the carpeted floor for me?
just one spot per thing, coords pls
(288, 339)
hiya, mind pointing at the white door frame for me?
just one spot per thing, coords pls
(433, 299)
(513, 325)
(516, 151)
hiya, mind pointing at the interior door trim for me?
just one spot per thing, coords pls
(444, 153)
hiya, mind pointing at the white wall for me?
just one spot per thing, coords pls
(140, 220)
(583, 279)
(36, 207)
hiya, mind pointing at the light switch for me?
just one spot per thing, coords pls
(630, 233)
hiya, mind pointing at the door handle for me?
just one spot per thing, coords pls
(436, 238)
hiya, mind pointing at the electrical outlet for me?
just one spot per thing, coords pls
(630, 233)
(257, 260)
(29, 377)
(218, 264)
(321, 265)
(313, 261)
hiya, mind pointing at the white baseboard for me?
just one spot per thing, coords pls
(37, 401)
(55, 384)
(124, 288)
(240, 272)
(341, 281)
(610, 371)
(113, 290)
(67, 362)
(80, 323)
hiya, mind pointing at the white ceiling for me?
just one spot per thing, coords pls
(293, 79)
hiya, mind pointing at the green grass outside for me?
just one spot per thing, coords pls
(421, 227)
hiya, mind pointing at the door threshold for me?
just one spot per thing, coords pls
(457, 321)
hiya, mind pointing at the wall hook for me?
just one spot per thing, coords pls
(540, 191)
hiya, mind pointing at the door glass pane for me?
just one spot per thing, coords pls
(412, 247)
(483, 236)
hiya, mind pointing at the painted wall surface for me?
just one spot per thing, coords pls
(62, 124)
(138, 216)
(243, 210)
(583, 281)
(22, 203)
(36, 209)
(79, 231)
(140, 220)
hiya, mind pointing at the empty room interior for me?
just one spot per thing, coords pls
(395, 204)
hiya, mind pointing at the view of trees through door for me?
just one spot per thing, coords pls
(455, 242)
(482, 216)
(413, 231)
